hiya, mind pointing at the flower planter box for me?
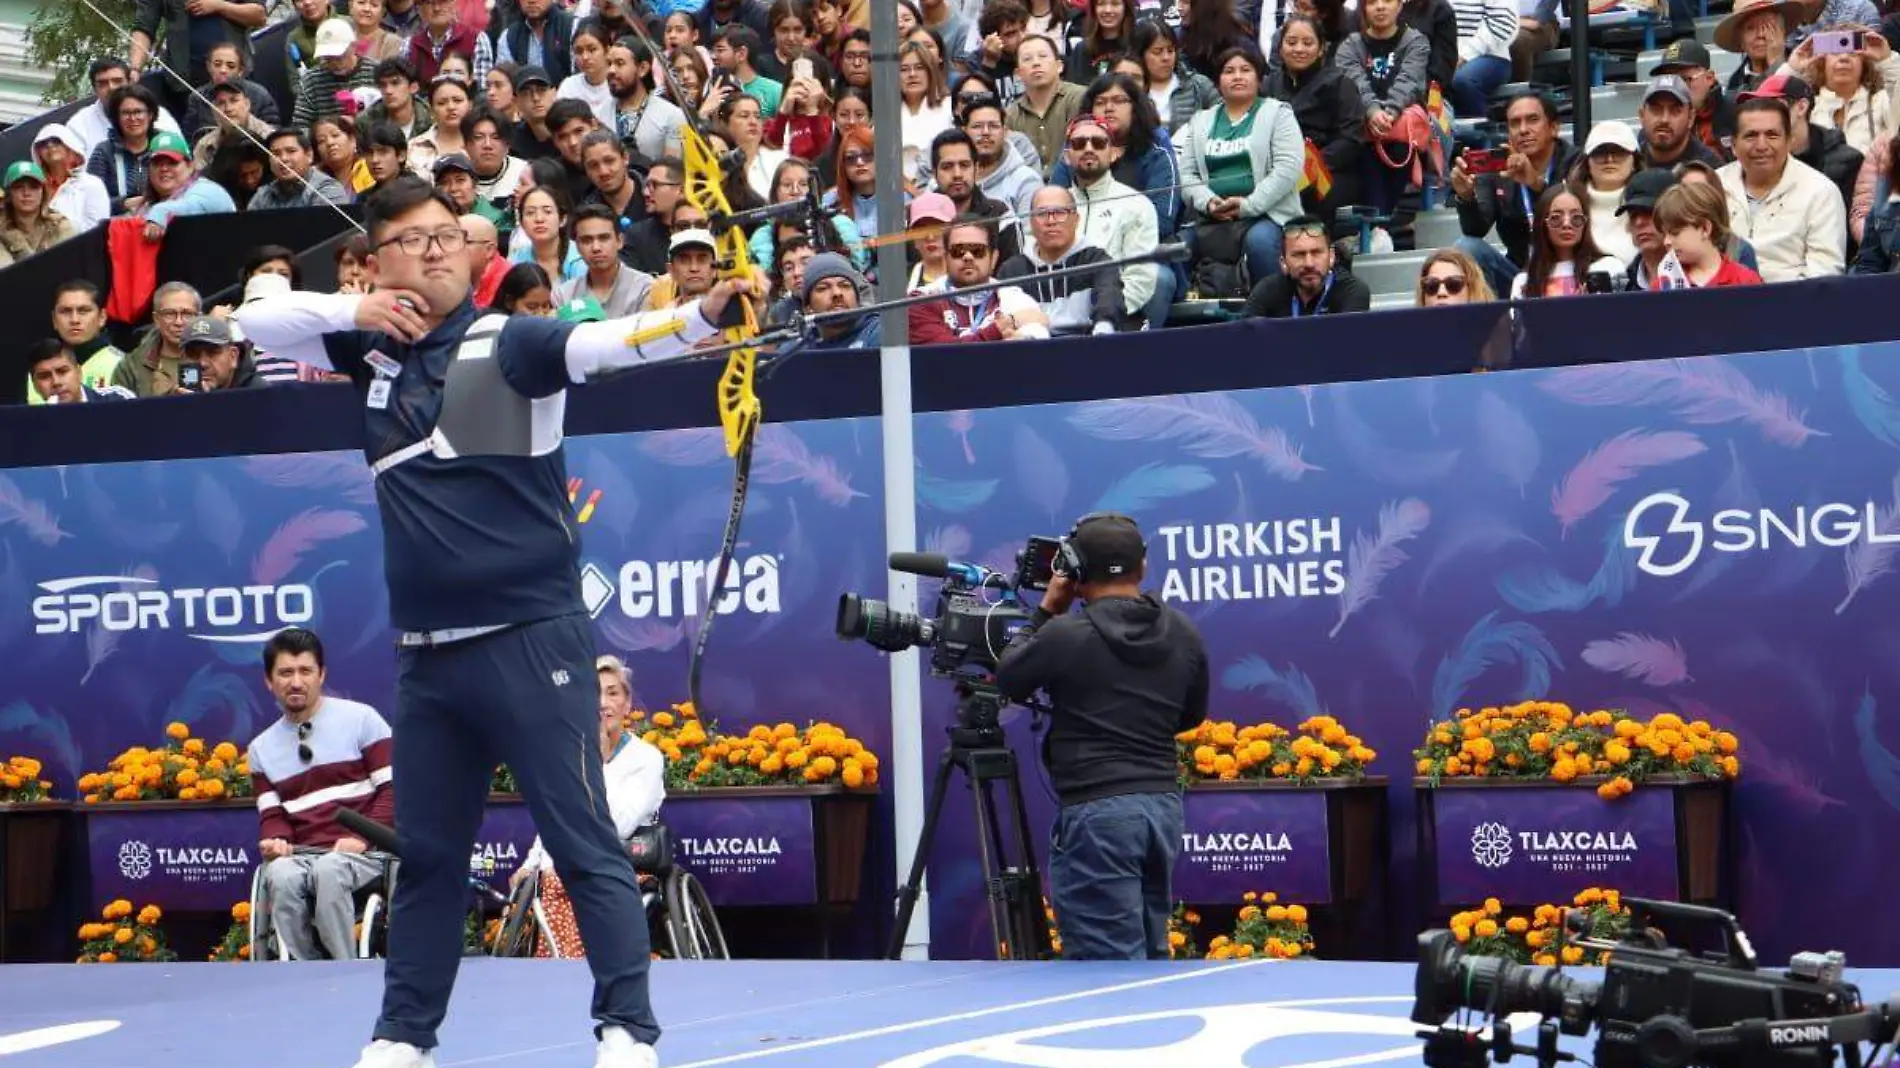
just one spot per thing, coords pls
(1323, 845)
(1532, 842)
(183, 856)
(32, 837)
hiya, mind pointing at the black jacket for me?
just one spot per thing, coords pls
(1330, 112)
(1439, 23)
(1829, 153)
(1077, 303)
(1125, 676)
(1273, 297)
(1695, 151)
(1498, 201)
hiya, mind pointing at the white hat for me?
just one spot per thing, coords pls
(1611, 134)
(265, 285)
(55, 131)
(691, 237)
(335, 37)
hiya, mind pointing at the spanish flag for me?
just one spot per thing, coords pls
(1315, 172)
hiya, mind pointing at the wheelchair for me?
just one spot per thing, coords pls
(676, 907)
(372, 911)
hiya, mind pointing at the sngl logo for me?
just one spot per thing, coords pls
(1681, 540)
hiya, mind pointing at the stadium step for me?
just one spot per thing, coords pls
(1391, 272)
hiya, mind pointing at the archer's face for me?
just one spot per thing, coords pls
(439, 275)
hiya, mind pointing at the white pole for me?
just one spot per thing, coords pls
(906, 777)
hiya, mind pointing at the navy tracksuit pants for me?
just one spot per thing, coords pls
(527, 697)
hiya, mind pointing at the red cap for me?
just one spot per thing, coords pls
(1780, 87)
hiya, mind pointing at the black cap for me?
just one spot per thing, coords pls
(218, 89)
(1682, 53)
(527, 76)
(1643, 189)
(1110, 545)
(454, 161)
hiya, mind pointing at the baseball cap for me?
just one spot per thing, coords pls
(207, 330)
(1611, 134)
(690, 238)
(933, 206)
(454, 161)
(167, 143)
(582, 309)
(265, 285)
(1111, 545)
(1682, 54)
(218, 89)
(1669, 85)
(527, 76)
(335, 36)
(1643, 189)
(25, 168)
(1780, 87)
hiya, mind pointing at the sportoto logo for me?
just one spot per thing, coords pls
(130, 603)
(135, 860)
(1491, 845)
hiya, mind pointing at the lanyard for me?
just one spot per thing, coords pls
(1319, 305)
(1524, 191)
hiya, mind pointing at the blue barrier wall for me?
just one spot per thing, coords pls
(1480, 552)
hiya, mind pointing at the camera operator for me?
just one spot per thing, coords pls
(1124, 676)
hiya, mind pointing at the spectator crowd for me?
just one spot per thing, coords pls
(1275, 138)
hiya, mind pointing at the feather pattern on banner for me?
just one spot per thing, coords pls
(32, 516)
(619, 501)
(642, 635)
(1040, 471)
(219, 516)
(1870, 402)
(211, 690)
(960, 423)
(1468, 534)
(1488, 644)
(780, 456)
(1290, 687)
(1866, 559)
(1212, 426)
(1882, 767)
(1545, 589)
(1602, 469)
(300, 534)
(1738, 492)
(1704, 390)
(1393, 466)
(952, 495)
(344, 471)
(1150, 484)
(796, 585)
(1509, 441)
(51, 729)
(692, 447)
(952, 541)
(1371, 559)
(100, 645)
(1639, 656)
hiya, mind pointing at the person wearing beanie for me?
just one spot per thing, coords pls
(832, 285)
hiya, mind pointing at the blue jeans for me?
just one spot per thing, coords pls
(1158, 306)
(1497, 267)
(1265, 239)
(1472, 86)
(527, 695)
(1111, 863)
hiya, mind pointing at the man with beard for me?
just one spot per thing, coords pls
(660, 194)
(296, 181)
(648, 124)
(953, 165)
(1711, 114)
(1668, 111)
(463, 417)
(831, 284)
(1084, 303)
(1310, 282)
(323, 755)
(1004, 314)
(611, 183)
(1001, 171)
(1117, 220)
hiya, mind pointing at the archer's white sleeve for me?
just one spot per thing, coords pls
(596, 347)
(292, 325)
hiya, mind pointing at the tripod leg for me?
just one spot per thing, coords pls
(1029, 908)
(990, 854)
(920, 861)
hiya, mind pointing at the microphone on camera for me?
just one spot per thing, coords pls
(379, 836)
(928, 565)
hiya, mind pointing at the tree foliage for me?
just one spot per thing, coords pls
(65, 38)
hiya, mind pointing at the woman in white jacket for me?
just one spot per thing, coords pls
(636, 785)
(1241, 161)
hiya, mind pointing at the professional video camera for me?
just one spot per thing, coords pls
(1657, 1007)
(978, 611)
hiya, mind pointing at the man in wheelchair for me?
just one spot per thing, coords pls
(636, 786)
(324, 754)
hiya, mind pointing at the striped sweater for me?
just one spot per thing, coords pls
(297, 801)
(1485, 28)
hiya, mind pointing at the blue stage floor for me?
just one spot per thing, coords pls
(532, 1014)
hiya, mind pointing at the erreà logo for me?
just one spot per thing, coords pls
(672, 589)
(231, 613)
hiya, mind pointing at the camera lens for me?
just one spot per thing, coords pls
(1448, 980)
(879, 627)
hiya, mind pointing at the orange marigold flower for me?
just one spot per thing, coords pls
(177, 731)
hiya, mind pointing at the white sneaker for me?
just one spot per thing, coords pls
(619, 1050)
(383, 1053)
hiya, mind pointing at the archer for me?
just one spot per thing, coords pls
(463, 424)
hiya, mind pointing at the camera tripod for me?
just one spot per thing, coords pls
(1011, 881)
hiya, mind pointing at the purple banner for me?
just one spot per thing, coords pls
(180, 859)
(746, 851)
(501, 845)
(1535, 845)
(1262, 840)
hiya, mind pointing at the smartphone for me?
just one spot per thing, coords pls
(191, 378)
(801, 68)
(1487, 160)
(1838, 42)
